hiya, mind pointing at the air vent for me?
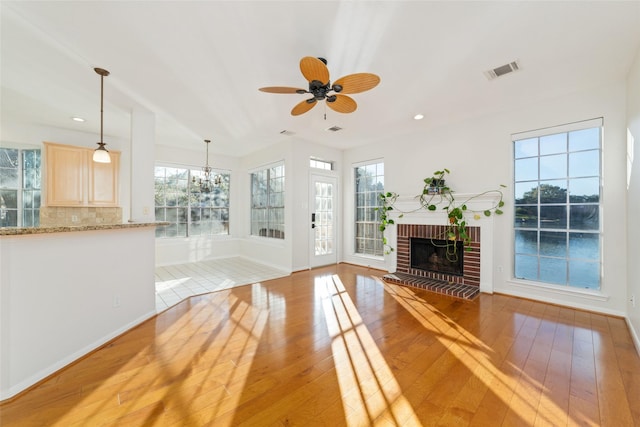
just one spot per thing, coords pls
(502, 70)
(334, 128)
(287, 132)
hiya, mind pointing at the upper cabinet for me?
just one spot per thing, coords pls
(103, 180)
(74, 179)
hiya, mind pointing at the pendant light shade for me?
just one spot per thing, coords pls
(101, 155)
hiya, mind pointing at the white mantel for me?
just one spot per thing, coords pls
(411, 212)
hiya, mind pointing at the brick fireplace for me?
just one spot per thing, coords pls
(465, 286)
(411, 220)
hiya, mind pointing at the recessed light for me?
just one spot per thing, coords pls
(77, 119)
(418, 117)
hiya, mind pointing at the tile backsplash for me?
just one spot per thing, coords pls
(68, 216)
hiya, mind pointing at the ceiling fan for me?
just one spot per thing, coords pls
(316, 72)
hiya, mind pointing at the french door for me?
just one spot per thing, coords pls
(323, 220)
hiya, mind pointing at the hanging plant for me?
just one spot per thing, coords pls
(436, 194)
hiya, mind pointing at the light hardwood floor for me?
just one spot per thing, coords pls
(336, 346)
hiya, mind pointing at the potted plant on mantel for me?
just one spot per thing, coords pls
(435, 193)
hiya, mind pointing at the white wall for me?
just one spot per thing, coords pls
(63, 295)
(141, 166)
(633, 199)
(479, 154)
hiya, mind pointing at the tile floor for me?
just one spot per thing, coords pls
(175, 283)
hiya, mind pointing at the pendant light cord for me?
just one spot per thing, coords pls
(101, 105)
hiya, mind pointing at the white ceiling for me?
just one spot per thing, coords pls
(198, 65)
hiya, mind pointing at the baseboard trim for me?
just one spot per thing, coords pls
(634, 335)
(44, 374)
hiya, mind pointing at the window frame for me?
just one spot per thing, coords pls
(193, 197)
(325, 165)
(24, 194)
(366, 217)
(570, 205)
(267, 210)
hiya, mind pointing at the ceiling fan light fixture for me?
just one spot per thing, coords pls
(316, 73)
(101, 155)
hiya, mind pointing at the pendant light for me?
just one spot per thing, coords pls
(101, 155)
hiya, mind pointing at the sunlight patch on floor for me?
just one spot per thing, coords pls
(525, 395)
(370, 392)
(219, 372)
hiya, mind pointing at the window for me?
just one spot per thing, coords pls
(190, 211)
(267, 202)
(369, 184)
(20, 173)
(557, 205)
(320, 164)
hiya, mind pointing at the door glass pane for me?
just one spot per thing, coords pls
(324, 219)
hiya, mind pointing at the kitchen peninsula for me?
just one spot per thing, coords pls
(67, 290)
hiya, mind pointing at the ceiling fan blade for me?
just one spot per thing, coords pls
(314, 69)
(356, 83)
(303, 107)
(343, 104)
(281, 89)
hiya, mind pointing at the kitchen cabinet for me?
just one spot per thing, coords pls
(74, 179)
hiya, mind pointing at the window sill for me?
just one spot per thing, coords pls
(272, 241)
(592, 295)
(191, 238)
(365, 256)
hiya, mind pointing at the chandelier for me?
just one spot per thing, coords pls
(207, 181)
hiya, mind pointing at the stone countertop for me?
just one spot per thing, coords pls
(18, 231)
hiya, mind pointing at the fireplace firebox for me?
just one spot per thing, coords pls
(437, 256)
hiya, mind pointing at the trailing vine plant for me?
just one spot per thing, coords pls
(436, 193)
